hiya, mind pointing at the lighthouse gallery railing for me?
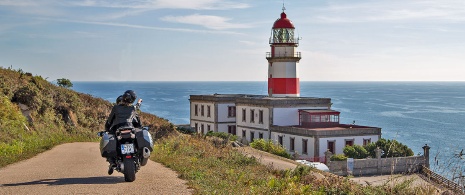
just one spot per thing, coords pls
(283, 55)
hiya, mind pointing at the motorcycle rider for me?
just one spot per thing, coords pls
(123, 115)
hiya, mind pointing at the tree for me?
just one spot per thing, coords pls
(64, 83)
(391, 148)
(355, 151)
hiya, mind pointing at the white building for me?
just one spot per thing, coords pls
(303, 125)
(306, 126)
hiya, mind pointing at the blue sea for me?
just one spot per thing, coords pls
(414, 113)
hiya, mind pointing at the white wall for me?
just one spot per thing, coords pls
(199, 116)
(289, 116)
(223, 127)
(340, 142)
(248, 133)
(283, 70)
(223, 113)
(297, 143)
(255, 124)
(200, 123)
(284, 51)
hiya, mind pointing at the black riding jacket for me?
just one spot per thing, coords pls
(122, 116)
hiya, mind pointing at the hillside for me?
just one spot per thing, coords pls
(36, 115)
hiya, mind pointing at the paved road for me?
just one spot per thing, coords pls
(78, 168)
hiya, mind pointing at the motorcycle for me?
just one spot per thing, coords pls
(130, 149)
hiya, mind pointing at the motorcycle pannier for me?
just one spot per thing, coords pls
(144, 139)
(108, 145)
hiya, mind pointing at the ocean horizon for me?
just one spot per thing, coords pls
(414, 113)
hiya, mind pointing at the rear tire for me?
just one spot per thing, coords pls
(129, 169)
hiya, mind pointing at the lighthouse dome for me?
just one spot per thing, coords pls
(283, 22)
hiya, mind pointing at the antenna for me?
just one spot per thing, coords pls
(284, 8)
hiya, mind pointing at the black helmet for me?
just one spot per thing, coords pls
(119, 99)
(129, 96)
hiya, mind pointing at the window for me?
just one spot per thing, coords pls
(232, 129)
(366, 141)
(252, 116)
(260, 135)
(349, 142)
(208, 128)
(208, 111)
(260, 116)
(202, 128)
(252, 136)
(291, 144)
(280, 140)
(231, 111)
(202, 113)
(331, 146)
(243, 133)
(196, 127)
(243, 115)
(196, 110)
(304, 146)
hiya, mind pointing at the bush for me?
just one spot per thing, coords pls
(222, 135)
(338, 157)
(391, 148)
(355, 151)
(185, 130)
(66, 83)
(270, 147)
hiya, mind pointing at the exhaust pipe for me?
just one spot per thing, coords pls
(146, 152)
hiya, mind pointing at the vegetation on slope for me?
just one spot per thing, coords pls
(212, 166)
(36, 115)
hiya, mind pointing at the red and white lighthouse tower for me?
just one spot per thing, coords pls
(283, 80)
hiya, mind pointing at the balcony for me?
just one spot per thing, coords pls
(283, 55)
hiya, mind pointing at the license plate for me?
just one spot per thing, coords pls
(127, 148)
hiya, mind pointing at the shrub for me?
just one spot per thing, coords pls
(338, 157)
(222, 135)
(391, 148)
(66, 83)
(270, 147)
(355, 151)
(185, 130)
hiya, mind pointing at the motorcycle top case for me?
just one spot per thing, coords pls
(144, 139)
(108, 145)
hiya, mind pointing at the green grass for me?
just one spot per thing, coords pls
(56, 115)
(210, 168)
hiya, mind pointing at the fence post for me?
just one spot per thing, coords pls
(328, 155)
(378, 158)
(426, 154)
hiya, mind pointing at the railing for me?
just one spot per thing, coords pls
(283, 55)
(442, 180)
(286, 41)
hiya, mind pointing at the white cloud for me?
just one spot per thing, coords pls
(17, 3)
(396, 10)
(207, 21)
(162, 4)
(138, 26)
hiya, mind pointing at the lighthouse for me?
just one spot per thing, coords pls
(283, 80)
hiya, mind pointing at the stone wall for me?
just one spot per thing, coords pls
(381, 166)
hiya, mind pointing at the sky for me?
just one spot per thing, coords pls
(227, 40)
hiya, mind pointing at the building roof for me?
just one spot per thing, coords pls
(340, 130)
(311, 111)
(283, 22)
(263, 100)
